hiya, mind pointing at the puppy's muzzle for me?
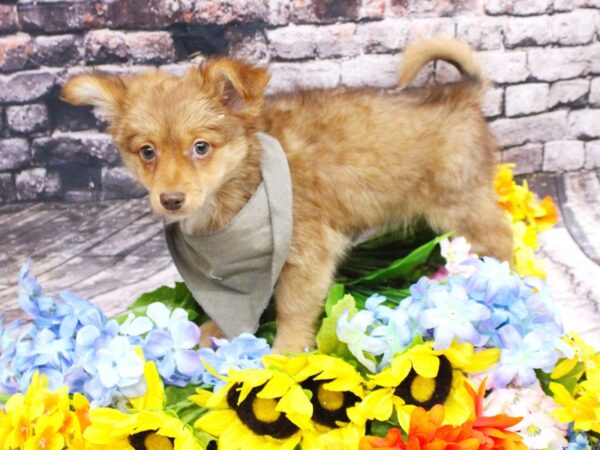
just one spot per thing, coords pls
(172, 200)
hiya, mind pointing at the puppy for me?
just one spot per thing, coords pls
(359, 159)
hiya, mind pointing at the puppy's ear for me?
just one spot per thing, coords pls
(239, 86)
(103, 91)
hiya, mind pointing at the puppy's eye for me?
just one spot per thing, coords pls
(201, 148)
(147, 153)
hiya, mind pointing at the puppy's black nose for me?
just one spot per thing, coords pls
(172, 200)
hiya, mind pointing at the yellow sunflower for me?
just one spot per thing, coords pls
(421, 376)
(335, 385)
(147, 427)
(263, 409)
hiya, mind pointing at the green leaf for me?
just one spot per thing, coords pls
(327, 340)
(402, 267)
(172, 297)
(336, 293)
(175, 394)
(381, 428)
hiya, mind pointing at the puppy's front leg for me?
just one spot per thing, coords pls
(207, 330)
(303, 286)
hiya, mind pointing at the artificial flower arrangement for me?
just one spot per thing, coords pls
(422, 345)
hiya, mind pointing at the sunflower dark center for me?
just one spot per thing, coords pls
(259, 415)
(427, 392)
(149, 440)
(329, 407)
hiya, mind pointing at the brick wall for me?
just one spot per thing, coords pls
(542, 55)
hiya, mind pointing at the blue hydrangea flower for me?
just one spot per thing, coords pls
(116, 369)
(243, 352)
(171, 343)
(9, 334)
(578, 441)
(452, 314)
(493, 281)
(521, 355)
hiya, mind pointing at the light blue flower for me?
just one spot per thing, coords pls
(79, 312)
(172, 344)
(9, 335)
(452, 314)
(115, 368)
(353, 332)
(243, 352)
(380, 311)
(493, 282)
(44, 311)
(578, 441)
(396, 333)
(520, 356)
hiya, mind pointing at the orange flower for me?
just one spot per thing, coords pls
(427, 433)
(493, 429)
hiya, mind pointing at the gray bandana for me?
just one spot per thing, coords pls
(232, 272)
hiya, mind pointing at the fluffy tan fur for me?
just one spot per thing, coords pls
(359, 159)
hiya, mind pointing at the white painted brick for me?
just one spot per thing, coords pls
(518, 7)
(371, 70)
(372, 9)
(595, 92)
(337, 40)
(526, 99)
(493, 103)
(446, 73)
(577, 27)
(525, 31)
(540, 128)
(292, 42)
(566, 5)
(424, 28)
(286, 77)
(592, 155)
(279, 11)
(551, 64)
(384, 35)
(563, 155)
(528, 158)
(585, 123)
(567, 92)
(480, 32)
(505, 67)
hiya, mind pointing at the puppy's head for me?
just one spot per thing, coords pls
(182, 137)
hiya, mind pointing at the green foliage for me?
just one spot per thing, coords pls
(569, 381)
(327, 340)
(173, 297)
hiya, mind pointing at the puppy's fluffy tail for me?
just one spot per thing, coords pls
(446, 49)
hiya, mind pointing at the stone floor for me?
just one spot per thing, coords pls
(112, 252)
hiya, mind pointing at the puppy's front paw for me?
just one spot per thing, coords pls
(207, 330)
(283, 345)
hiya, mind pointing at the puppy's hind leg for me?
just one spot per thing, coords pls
(480, 220)
(303, 285)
